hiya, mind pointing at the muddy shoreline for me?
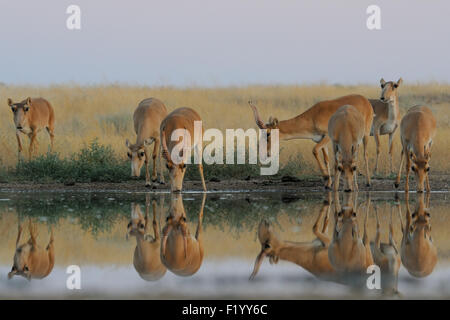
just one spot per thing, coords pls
(439, 183)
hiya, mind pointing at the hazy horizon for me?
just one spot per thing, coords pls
(205, 43)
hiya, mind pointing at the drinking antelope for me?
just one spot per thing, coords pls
(386, 256)
(347, 129)
(182, 253)
(182, 118)
(147, 120)
(313, 124)
(312, 256)
(387, 116)
(418, 252)
(348, 253)
(417, 130)
(147, 254)
(30, 117)
(30, 260)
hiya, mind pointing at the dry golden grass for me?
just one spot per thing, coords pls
(105, 112)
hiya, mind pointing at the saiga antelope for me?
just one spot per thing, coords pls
(386, 116)
(418, 252)
(147, 120)
(387, 257)
(30, 260)
(182, 253)
(313, 124)
(147, 254)
(346, 130)
(30, 117)
(312, 256)
(348, 253)
(182, 118)
(417, 130)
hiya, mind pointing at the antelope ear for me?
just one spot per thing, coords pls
(399, 82)
(10, 102)
(29, 101)
(382, 82)
(127, 143)
(11, 274)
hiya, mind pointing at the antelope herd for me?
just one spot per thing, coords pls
(346, 121)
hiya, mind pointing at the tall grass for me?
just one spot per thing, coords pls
(84, 114)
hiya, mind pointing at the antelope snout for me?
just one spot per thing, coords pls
(382, 98)
(19, 127)
(348, 190)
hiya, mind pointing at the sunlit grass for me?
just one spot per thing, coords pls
(84, 114)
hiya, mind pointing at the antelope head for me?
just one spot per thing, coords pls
(138, 223)
(347, 165)
(176, 170)
(137, 154)
(419, 254)
(269, 126)
(270, 246)
(420, 166)
(20, 111)
(21, 264)
(346, 225)
(176, 227)
(389, 90)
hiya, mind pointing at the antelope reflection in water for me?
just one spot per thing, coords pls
(342, 259)
(387, 257)
(146, 258)
(30, 260)
(418, 252)
(182, 253)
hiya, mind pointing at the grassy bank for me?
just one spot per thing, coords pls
(104, 114)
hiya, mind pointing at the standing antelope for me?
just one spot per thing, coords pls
(386, 256)
(147, 254)
(348, 253)
(417, 130)
(313, 124)
(182, 253)
(182, 118)
(418, 252)
(30, 117)
(30, 260)
(347, 129)
(387, 116)
(312, 256)
(147, 120)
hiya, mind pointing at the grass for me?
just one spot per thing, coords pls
(104, 114)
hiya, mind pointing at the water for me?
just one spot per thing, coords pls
(90, 231)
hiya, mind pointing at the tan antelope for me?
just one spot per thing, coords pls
(147, 254)
(387, 116)
(313, 124)
(418, 252)
(182, 253)
(311, 256)
(147, 120)
(30, 260)
(387, 257)
(417, 130)
(347, 129)
(348, 253)
(182, 118)
(30, 117)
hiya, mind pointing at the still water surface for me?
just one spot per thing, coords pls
(117, 240)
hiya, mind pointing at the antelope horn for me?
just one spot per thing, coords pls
(164, 242)
(165, 151)
(258, 120)
(258, 262)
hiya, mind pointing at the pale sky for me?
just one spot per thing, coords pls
(223, 42)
